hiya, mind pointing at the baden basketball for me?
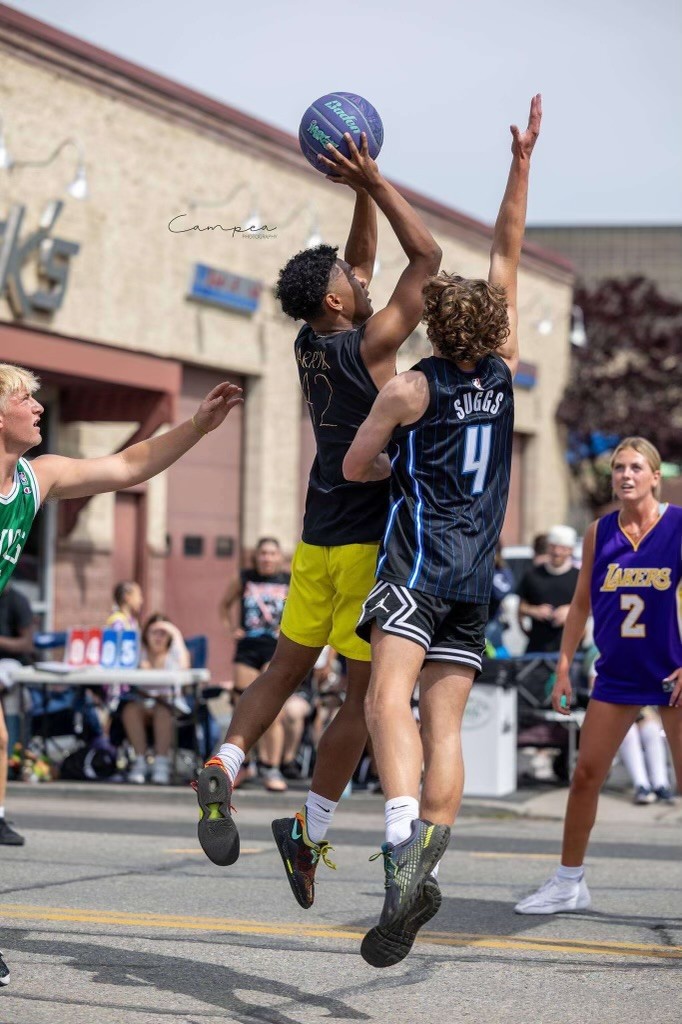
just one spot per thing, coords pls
(328, 118)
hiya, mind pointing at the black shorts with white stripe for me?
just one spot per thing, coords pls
(447, 630)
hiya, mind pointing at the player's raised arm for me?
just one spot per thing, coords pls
(403, 400)
(60, 477)
(361, 248)
(510, 226)
(388, 329)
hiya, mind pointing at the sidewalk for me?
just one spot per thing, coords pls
(548, 802)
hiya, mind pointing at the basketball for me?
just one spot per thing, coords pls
(329, 117)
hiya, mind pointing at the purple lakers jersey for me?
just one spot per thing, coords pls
(637, 606)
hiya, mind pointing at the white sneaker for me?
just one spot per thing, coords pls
(161, 771)
(137, 773)
(556, 896)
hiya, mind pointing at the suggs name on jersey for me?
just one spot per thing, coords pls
(473, 402)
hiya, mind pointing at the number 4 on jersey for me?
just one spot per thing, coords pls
(477, 445)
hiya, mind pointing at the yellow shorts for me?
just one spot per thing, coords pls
(327, 590)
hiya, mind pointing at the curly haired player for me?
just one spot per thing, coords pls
(451, 417)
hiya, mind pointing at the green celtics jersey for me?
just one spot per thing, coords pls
(17, 511)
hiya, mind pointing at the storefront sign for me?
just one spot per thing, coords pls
(221, 288)
(51, 255)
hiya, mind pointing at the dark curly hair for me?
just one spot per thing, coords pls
(304, 282)
(466, 319)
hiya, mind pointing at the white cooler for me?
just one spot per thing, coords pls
(489, 735)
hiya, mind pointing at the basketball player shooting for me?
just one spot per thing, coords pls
(451, 417)
(345, 354)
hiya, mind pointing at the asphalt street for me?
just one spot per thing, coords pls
(111, 913)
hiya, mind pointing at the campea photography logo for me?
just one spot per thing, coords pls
(182, 224)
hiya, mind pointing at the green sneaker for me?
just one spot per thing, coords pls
(412, 894)
(300, 856)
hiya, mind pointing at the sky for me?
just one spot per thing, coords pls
(448, 78)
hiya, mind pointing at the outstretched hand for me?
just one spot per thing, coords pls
(523, 142)
(216, 406)
(358, 172)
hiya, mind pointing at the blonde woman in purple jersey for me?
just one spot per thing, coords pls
(631, 577)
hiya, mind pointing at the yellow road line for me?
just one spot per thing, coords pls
(29, 912)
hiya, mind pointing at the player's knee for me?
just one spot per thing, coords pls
(378, 704)
(286, 677)
(586, 778)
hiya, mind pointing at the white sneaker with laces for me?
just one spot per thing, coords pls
(161, 771)
(137, 773)
(556, 896)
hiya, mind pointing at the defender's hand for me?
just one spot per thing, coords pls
(523, 142)
(216, 406)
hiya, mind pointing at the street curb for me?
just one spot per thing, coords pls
(359, 801)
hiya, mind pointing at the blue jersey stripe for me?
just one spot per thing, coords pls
(417, 514)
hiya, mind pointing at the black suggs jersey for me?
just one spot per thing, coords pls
(450, 483)
(340, 393)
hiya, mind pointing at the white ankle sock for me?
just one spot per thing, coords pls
(400, 812)
(434, 871)
(318, 813)
(232, 757)
(2, 812)
(570, 874)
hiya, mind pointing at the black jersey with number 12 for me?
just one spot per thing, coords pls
(340, 392)
(450, 483)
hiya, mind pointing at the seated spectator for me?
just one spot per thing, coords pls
(162, 648)
(128, 601)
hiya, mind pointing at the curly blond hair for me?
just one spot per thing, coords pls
(466, 319)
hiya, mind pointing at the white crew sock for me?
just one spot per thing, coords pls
(2, 812)
(570, 874)
(654, 752)
(318, 815)
(400, 812)
(632, 756)
(232, 757)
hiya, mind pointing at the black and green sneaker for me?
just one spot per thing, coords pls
(4, 972)
(412, 894)
(300, 855)
(217, 831)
